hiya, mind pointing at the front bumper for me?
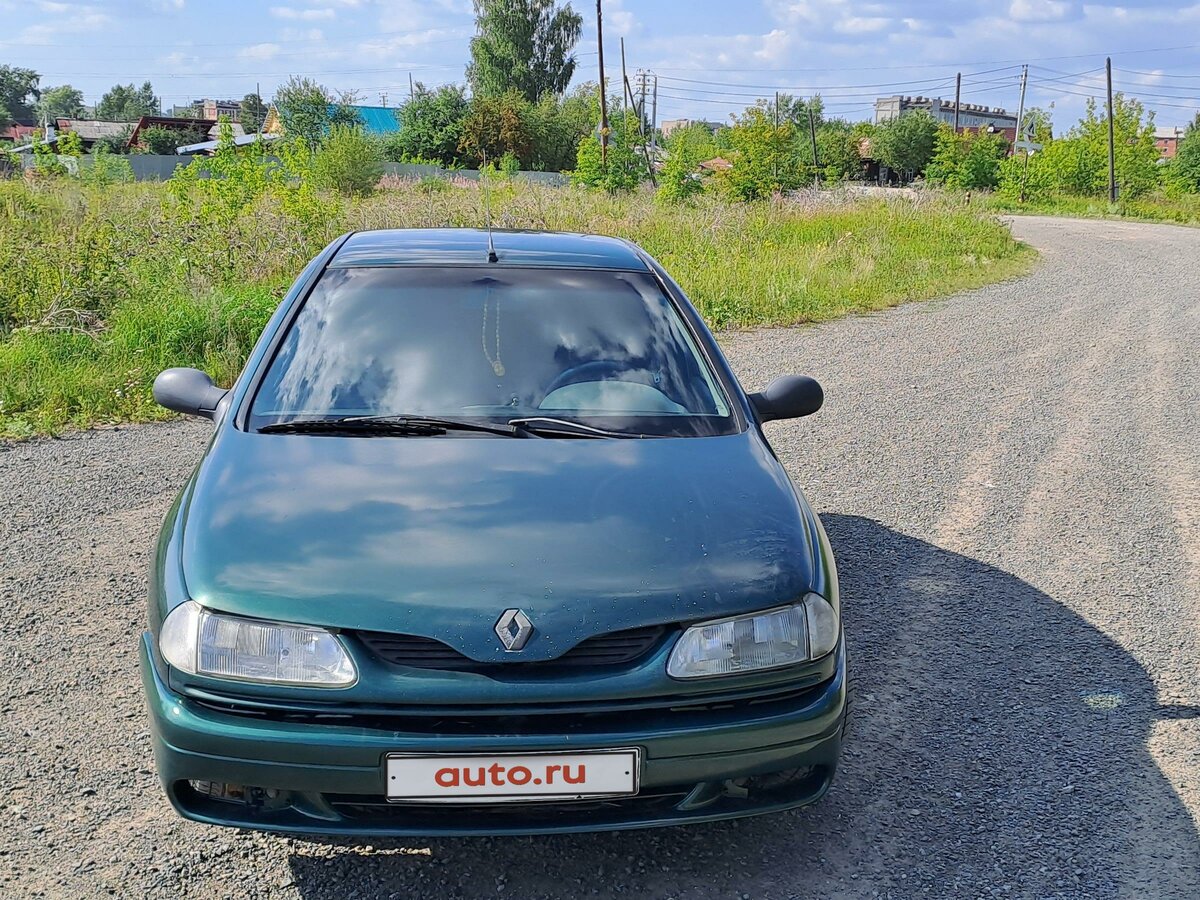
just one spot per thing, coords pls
(327, 777)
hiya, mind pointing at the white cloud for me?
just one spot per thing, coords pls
(861, 24)
(263, 51)
(1039, 10)
(619, 21)
(775, 46)
(303, 15)
(70, 18)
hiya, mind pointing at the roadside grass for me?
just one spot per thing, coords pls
(1176, 210)
(101, 288)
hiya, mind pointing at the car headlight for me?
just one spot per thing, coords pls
(777, 637)
(200, 642)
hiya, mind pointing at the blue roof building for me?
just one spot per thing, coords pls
(377, 120)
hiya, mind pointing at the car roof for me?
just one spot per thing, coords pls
(469, 246)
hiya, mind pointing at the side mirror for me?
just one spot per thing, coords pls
(188, 391)
(788, 397)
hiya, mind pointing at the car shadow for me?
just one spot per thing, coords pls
(998, 743)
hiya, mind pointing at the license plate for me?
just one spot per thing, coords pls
(510, 778)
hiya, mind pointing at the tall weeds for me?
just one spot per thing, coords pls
(103, 286)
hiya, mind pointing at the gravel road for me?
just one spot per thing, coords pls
(1011, 480)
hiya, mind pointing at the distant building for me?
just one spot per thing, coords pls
(208, 148)
(18, 133)
(91, 131)
(670, 125)
(209, 109)
(717, 164)
(971, 116)
(1167, 140)
(184, 126)
(376, 120)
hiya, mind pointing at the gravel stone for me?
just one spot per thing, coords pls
(1011, 482)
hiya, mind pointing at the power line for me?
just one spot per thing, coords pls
(913, 84)
(941, 65)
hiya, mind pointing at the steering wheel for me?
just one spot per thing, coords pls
(600, 370)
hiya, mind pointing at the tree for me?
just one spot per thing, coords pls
(966, 161)
(838, 144)
(1135, 154)
(253, 112)
(126, 103)
(687, 148)
(795, 109)
(308, 110)
(430, 126)
(165, 141)
(18, 94)
(495, 126)
(623, 168)
(526, 45)
(557, 124)
(1185, 167)
(906, 143)
(62, 102)
(116, 145)
(765, 155)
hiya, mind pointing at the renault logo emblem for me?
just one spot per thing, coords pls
(513, 628)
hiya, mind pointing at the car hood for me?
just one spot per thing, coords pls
(437, 537)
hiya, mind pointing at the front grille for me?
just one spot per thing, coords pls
(654, 800)
(615, 649)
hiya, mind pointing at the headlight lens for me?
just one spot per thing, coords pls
(198, 641)
(778, 637)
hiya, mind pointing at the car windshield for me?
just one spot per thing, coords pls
(493, 343)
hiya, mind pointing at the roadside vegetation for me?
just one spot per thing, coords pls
(1068, 175)
(104, 285)
(104, 282)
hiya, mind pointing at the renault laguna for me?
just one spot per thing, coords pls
(488, 539)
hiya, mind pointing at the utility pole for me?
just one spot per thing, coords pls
(957, 99)
(383, 99)
(775, 156)
(1112, 166)
(603, 98)
(410, 86)
(654, 120)
(639, 107)
(627, 94)
(262, 106)
(812, 131)
(1021, 105)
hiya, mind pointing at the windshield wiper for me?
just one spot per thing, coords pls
(417, 426)
(548, 425)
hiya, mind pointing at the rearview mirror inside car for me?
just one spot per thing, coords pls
(188, 391)
(788, 397)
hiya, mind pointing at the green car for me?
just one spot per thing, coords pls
(488, 539)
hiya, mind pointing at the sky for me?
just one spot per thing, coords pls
(711, 57)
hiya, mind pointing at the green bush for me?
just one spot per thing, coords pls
(1184, 171)
(106, 169)
(348, 161)
(905, 144)
(165, 141)
(1077, 164)
(622, 168)
(966, 161)
(764, 156)
(687, 148)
